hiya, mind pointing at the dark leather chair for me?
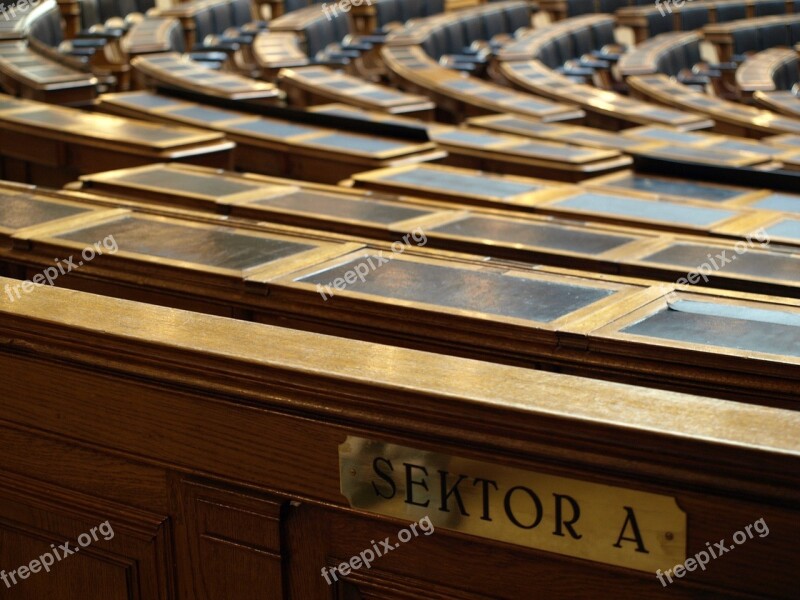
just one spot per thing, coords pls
(412, 9)
(494, 23)
(47, 28)
(656, 24)
(766, 8)
(387, 12)
(517, 16)
(693, 17)
(433, 7)
(580, 7)
(611, 6)
(770, 36)
(549, 56)
(794, 33)
(744, 40)
(564, 49)
(731, 12)
(582, 41)
(473, 28)
(603, 34)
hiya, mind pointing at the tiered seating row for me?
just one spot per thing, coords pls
(274, 146)
(284, 274)
(192, 394)
(52, 145)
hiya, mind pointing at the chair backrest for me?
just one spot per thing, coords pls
(222, 17)
(90, 14)
(203, 24)
(412, 9)
(473, 27)
(582, 41)
(656, 24)
(564, 49)
(517, 16)
(611, 6)
(579, 7)
(744, 40)
(693, 17)
(455, 38)
(732, 11)
(47, 28)
(770, 36)
(794, 33)
(787, 75)
(293, 5)
(691, 55)
(241, 12)
(387, 12)
(765, 8)
(603, 34)
(494, 23)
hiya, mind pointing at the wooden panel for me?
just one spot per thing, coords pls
(124, 553)
(256, 454)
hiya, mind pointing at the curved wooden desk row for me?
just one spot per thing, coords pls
(200, 18)
(579, 322)
(649, 20)
(213, 446)
(729, 117)
(503, 231)
(636, 140)
(605, 109)
(459, 95)
(562, 9)
(153, 35)
(52, 145)
(178, 71)
(622, 199)
(530, 43)
(510, 154)
(785, 103)
(645, 58)
(274, 146)
(265, 145)
(737, 38)
(462, 96)
(27, 74)
(15, 23)
(641, 66)
(770, 70)
(318, 85)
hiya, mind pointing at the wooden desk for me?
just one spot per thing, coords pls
(178, 71)
(453, 227)
(308, 86)
(729, 117)
(28, 74)
(278, 147)
(154, 455)
(605, 109)
(51, 145)
(460, 96)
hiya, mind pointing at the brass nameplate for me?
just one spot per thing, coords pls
(612, 525)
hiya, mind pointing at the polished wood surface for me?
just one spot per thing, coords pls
(181, 493)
